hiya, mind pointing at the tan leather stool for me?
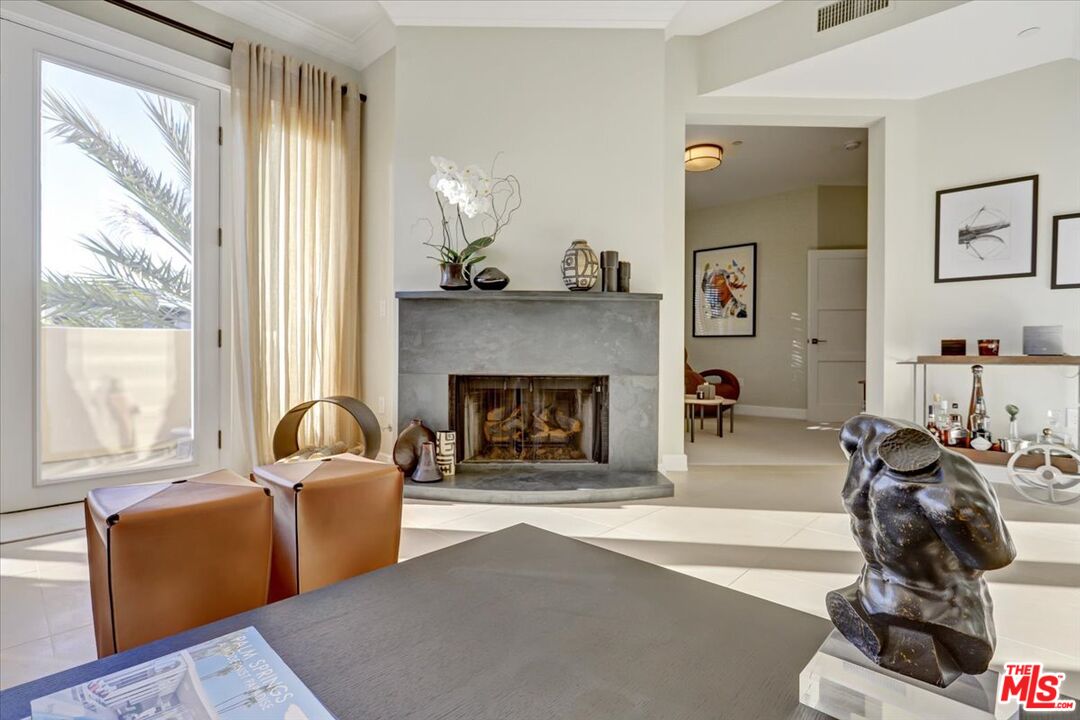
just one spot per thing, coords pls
(333, 519)
(166, 557)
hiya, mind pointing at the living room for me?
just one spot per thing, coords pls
(381, 281)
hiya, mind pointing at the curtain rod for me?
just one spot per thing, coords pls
(182, 27)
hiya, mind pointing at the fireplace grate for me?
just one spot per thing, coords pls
(530, 419)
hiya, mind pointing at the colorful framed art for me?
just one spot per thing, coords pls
(725, 291)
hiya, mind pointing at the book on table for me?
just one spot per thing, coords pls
(234, 677)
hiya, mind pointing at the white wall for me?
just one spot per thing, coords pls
(580, 118)
(577, 115)
(1019, 124)
(771, 366)
(378, 341)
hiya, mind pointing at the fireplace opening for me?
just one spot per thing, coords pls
(528, 418)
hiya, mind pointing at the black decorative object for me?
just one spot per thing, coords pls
(409, 442)
(427, 470)
(1065, 254)
(928, 525)
(609, 271)
(491, 278)
(452, 276)
(624, 276)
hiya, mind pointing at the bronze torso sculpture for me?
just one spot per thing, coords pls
(928, 525)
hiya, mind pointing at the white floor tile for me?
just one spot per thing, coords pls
(37, 523)
(22, 611)
(808, 539)
(783, 589)
(717, 526)
(420, 542)
(430, 515)
(1046, 542)
(553, 519)
(67, 605)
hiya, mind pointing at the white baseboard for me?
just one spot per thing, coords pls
(767, 411)
(673, 463)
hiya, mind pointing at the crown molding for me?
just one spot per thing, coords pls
(356, 51)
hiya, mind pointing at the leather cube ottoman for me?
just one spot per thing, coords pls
(333, 519)
(166, 557)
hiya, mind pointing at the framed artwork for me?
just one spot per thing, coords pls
(986, 231)
(1065, 265)
(725, 291)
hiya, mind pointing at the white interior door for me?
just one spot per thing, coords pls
(109, 280)
(836, 339)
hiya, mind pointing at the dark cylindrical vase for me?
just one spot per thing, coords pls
(609, 270)
(427, 470)
(453, 277)
(624, 276)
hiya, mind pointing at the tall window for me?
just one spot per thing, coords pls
(114, 273)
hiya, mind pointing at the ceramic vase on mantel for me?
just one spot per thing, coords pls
(452, 277)
(427, 470)
(580, 267)
(409, 443)
(446, 451)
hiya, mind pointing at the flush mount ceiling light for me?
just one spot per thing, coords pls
(700, 158)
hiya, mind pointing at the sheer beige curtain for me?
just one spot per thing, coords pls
(296, 183)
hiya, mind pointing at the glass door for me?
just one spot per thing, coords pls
(110, 287)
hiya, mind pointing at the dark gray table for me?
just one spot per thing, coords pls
(520, 624)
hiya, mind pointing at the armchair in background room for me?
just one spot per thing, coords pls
(726, 384)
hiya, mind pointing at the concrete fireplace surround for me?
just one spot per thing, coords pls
(537, 333)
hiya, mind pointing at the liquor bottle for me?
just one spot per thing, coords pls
(958, 436)
(931, 422)
(980, 421)
(976, 398)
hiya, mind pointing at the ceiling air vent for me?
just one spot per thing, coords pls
(842, 11)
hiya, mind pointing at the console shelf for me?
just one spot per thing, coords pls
(994, 360)
(1029, 462)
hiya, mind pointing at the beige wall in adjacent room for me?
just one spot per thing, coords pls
(841, 218)
(770, 366)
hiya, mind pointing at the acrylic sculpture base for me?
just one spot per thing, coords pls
(843, 683)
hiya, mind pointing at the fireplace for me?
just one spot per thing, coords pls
(530, 418)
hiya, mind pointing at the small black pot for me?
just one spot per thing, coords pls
(491, 278)
(453, 277)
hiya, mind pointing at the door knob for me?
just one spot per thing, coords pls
(817, 341)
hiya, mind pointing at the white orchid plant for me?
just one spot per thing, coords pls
(470, 193)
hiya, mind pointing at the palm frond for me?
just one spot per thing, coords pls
(126, 219)
(139, 269)
(86, 301)
(168, 205)
(175, 129)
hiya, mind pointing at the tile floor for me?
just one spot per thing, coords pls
(776, 532)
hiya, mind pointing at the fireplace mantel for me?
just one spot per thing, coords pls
(545, 295)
